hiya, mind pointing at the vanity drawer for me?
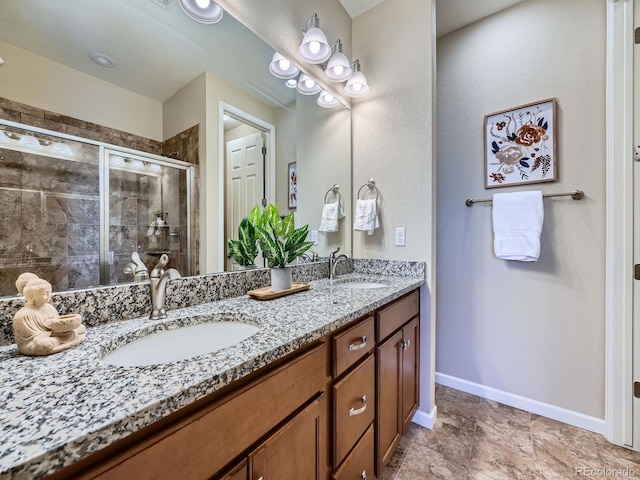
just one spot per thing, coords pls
(359, 463)
(353, 408)
(397, 314)
(352, 344)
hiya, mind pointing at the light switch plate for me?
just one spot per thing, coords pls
(314, 236)
(400, 237)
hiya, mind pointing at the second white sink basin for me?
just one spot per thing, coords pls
(180, 343)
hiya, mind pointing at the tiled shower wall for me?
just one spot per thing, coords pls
(50, 221)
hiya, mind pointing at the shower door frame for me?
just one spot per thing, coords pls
(105, 151)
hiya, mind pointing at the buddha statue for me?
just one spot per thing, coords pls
(38, 328)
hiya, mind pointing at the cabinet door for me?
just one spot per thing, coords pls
(410, 371)
(388, 401)
(298, 450)
(239, 472)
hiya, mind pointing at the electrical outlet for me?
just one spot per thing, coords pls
(314, 236)
(400, 237)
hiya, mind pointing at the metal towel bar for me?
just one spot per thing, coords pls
(576, 195)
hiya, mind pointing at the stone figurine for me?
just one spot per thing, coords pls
(38, 328)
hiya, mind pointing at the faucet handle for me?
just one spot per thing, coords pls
(333, 254)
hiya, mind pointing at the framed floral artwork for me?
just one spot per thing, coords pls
(293, 185)
(520, 145)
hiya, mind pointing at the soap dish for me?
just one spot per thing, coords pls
(266, 293)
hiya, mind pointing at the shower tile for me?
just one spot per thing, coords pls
(8, 276)
(11, 211)
(83, 210)
(10, 240)
(145, 217)
(87, 153)
(10, 168)
(32, 208)
(18, 107)
(42, 122)
(123, 211)
(11, 115)
(123, 240)
(83, 178)
(55, 210)
(44, 240)
(44, 173)
(55, 117)
(84, 271)
(83, 239)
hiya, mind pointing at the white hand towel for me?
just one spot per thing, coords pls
(366, 216)
(152, 228)
(517, 224)
(329, 218)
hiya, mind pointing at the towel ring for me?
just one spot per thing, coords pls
(336, 190)
(372, 185)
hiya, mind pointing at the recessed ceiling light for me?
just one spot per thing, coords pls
(102, 59)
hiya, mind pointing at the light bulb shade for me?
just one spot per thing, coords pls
(137, 164)
(62, 149)
(154, 167)
(307, 86)
(30, 141)
(202, 11)
(280, 67)
(292, 82)
(116, 161)
(314, 47)
(357, 85)
(338, 68)
(327, 100)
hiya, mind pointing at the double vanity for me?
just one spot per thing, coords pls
(320, 384)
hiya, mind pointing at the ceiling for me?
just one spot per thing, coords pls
(158, 49)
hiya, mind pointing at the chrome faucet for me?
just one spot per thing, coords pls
(311, 255)
(333, 262)
(158, 286)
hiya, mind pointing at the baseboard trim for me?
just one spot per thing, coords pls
(424, 419)
(560, 414)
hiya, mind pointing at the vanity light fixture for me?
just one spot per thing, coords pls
(154, 167)
(314, 47)
(327, 100)
(62, 149)
(116, 161)
(292, 82)
(137, 164)
(203, 11)
(338, 69)
(3, 137)
(357, 85)
(307, 85)
(281, 67)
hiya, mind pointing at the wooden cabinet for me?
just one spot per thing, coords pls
(296, 450)
(397, 360)
(359, 463)
(238, 472)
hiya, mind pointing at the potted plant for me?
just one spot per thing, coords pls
(245, 249)
(281, 243)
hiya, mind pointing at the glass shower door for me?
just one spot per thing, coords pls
(148, 216)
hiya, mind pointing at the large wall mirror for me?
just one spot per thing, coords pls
(181, 95)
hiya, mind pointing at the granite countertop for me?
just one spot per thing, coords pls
(61, 408)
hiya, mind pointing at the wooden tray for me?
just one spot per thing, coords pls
(265, 293)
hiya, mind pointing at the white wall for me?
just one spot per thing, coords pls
(530, 329)
(36, 81)
(392, 143)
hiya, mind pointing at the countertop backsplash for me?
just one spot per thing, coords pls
(102, 305)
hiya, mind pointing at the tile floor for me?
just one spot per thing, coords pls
(478, 439)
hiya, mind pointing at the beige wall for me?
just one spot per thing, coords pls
(530, 329)
(33, 80)
(392, 143)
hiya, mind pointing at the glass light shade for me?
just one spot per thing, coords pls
(327, 100)
(307, 85)
(280, 67)
(357, 85)
(30, 141)
(154, 167)
(3, 137)
(203, 11)
(137, 164)
(292, 82)
(338, 68)
(116, 161)
(62, 149)
(314, 47)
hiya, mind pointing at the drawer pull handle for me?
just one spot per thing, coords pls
(358, 411)
(405, 344)
(353, 348)
(363, 475)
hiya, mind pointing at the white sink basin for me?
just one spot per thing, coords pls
(180, 343)
(356, 283)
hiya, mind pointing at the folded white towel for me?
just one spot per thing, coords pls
(152, 228)
(517, 224)
(366, 215)
(331, 213)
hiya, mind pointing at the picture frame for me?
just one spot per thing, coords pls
(292, 191)
(520, 145)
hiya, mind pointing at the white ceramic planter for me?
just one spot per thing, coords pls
(280, 279)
